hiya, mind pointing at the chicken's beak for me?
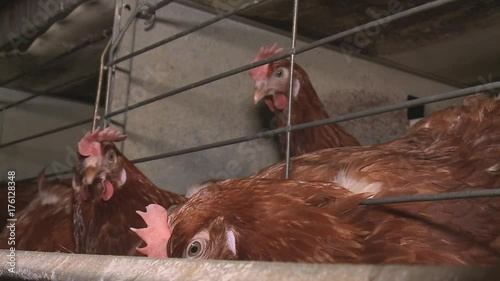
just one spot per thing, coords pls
(89, 175)
(259, 91)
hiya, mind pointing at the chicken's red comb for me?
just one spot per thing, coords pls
(90, 143)
(260, 72)
(156, 234)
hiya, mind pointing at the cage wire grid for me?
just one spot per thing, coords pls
(147, 12)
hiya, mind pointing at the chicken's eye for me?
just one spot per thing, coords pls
(279, 73)
(195, 249)
(111, 156)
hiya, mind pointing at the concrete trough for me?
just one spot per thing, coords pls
(58, 266)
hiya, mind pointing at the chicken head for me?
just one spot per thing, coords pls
(100, 168)
(272, 80)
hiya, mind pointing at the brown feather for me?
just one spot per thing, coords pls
(24, 194)
(103, 227)
(279, 220)
(459, 146)
(307, 107)
(45, 224)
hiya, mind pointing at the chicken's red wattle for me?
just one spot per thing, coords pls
(107, 190)
(280, 101)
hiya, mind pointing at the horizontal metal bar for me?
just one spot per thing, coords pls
(398, 106)
(59, 266)
(90, 40)
(49, 90)
(195, 85)
(346, 117)
(277, 57)
(188, 31)
(49, 132)
(208, 146)
(434, 197)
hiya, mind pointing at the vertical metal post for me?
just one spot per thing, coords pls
(111, 72)
(107, 104)
(99, 86)
(290, 95)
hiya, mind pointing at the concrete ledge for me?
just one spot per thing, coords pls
(56, 266)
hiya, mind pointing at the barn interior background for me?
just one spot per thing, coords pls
(50, 53)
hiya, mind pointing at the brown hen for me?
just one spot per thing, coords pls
(45, 224)
(458, 143)
(108, 191)
(24, 194)
(293, 221)
(272, 85)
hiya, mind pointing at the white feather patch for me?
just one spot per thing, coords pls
(192, 190)
(123, 178)
(357, 185)
(73, 183)
(296, 87)
(231, 241)
(495, 169)
(49, 198)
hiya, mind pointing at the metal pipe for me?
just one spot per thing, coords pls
(99, 85)
(49, 90)
(87, 42)
(290, 95)
(278, 57)
(60, 266)
(346, 117)
(188, 31)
